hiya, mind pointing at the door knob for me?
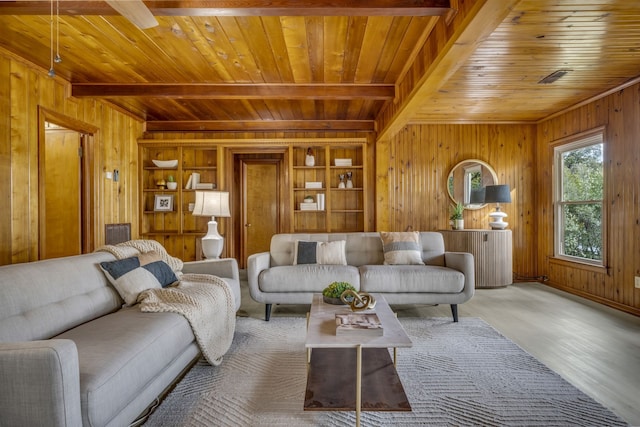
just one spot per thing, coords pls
(247, 225)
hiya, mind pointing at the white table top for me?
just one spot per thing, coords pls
(321, 332)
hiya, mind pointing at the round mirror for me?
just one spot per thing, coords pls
(467, 180)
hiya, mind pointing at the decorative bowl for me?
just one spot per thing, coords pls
(165, 163)
(334, 301)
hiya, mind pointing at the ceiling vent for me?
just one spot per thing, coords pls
(553, 76)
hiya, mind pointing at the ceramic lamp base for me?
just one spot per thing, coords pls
(497, 220)
(213, 242)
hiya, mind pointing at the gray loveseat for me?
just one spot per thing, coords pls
(72, 355)
(446, 277)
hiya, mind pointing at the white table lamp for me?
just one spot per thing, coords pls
(497, 194)
(213, 204)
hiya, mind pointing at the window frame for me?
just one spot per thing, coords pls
(586, 139)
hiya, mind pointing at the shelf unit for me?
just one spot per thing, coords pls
(177, 229)
(345, 210)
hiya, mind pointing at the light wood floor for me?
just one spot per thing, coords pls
(594, 347)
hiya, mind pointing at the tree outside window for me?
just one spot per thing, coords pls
(579, 178)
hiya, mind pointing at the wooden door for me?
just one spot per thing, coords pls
(61, 212)
(260, 205)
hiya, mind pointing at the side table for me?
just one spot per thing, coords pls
(492, 254)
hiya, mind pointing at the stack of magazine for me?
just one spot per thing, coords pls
(364, 324)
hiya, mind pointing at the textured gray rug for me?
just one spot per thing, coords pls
(464, 374)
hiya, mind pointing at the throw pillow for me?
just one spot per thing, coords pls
(304, 252)
(130, 276)
(401, 247)
(332, 252)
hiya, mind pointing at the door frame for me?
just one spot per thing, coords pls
(232, 178)
(88, 136)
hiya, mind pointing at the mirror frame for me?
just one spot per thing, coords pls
(471, 163)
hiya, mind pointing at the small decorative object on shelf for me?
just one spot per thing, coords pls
(457, 219)
(342, 184)
(161, 183)
(313, 184)
(308, 204)
(163, 203)
(332, 293)
(359, 324)
(342, 162)
(358, 301)
(349, 181)
(171, 183)
(165, 163)
(310, 159)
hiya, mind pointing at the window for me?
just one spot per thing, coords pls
(578, 195)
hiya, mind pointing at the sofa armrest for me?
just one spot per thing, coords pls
(40, 382)
(224, 267)
(463, 262)
(256, 263)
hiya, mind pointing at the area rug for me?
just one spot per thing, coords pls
(456, 374)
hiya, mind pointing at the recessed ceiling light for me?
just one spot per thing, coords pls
(553, 76)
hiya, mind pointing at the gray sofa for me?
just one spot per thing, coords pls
(446, 277)
(72, 355)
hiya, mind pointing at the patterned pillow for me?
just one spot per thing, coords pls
(130, 276)
(320, 252)
(401, 247)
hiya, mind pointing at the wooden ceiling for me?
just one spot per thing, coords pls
(306, 65)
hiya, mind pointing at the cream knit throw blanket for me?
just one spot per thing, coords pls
(203, 299)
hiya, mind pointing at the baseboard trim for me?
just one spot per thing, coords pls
(613, 304)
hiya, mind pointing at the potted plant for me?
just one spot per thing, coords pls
(331, 294)
(456, 217)
(171, 183)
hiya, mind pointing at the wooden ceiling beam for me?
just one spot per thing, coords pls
(235, 91)
(448, 49)
(260, 125)
(246, 8)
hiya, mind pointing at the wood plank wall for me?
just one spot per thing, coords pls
(619, 113)
(411, 180)
(23, 89)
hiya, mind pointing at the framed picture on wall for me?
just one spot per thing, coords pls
(163, 203)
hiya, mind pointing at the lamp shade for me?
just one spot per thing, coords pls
(212, 203)
(497, 194)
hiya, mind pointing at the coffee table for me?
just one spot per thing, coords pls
(349, 373)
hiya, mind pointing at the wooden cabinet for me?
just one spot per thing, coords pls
(492, 252)
(343, 209)
(165, 214)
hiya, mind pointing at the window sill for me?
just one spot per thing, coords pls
(577, 264)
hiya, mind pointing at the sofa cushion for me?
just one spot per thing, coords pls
(320, 252)
(120, 354)
(307, 277)
(44, 298)
(130, 276)
(410, 278)
(401, 248)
